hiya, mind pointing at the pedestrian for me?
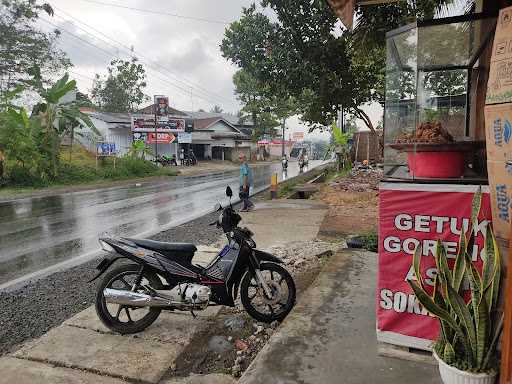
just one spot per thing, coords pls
(182, 156)
(245, 183)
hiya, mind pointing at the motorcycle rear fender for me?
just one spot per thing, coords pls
(104, 265)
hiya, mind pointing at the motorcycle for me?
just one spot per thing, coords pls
(284, 164)
(301, 165)
(162, 276)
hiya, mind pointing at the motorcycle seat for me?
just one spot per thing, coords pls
(168, 249)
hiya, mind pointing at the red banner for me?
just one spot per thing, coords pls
(160, 138)
(412, 214)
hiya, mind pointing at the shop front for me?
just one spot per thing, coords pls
(447, 128)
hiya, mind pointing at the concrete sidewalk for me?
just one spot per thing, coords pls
(329, 337)
(82, 350)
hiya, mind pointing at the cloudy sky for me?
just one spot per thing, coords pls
(181, 53)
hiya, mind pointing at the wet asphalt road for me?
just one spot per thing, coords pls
(43, 233)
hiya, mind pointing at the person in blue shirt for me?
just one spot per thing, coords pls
(245, 183)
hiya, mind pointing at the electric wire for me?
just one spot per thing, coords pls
(158, 12)
(185, 82)
(186, 92)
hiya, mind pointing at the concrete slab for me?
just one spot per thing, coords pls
(175, 328)
(213, 378)
(329, 337)
(114, 355)
(29, 372)
(283, 221)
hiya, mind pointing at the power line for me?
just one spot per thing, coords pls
(185, 82)
(110, 54)
(159, 12)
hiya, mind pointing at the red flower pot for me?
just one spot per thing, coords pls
(440, 165)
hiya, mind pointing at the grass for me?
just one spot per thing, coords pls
(81, 169)
(285, 188)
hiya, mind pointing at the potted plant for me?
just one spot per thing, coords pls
(470, 324)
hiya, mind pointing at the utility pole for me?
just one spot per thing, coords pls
(282, 141)
(156, 132)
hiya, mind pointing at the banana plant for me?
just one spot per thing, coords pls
(340, 147)
(58, 118)
(469, 329)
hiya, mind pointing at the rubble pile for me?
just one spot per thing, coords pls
(301, 255)
(360, 179)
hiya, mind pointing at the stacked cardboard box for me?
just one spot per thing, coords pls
(498, 125)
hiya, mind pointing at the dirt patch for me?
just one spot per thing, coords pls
(353, 203)
(233, 339)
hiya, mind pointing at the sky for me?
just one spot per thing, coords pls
(181, 55)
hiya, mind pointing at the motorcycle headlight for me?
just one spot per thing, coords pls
(106, 247)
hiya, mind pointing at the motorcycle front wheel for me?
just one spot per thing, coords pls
(258, 304)
(122, 318)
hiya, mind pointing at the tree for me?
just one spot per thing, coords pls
(264, 107)
(306, 53)
(122, 90)
(216, 109)
(23, 45)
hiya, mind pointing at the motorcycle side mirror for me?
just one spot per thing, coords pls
(217, 207)
(229, 192)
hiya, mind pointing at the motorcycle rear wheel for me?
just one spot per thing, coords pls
(125, 319)
(257, 304)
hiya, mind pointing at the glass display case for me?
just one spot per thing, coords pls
(430, 129)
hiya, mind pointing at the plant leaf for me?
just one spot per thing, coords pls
(497, 273)
(442, 263)
(492, 347)
(433, 308)
(448, 354)
(458, 305)
(416, 261)
(476, 204)
(459, 268)
(482, 331)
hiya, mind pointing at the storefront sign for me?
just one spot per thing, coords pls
(166, 124)
(412, 214)
(184, 138)
(298, 136)
(106, 149)
(160, 138)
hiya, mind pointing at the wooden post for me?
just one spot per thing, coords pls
(506, 346)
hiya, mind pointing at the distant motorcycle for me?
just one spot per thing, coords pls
(165, 160)
(284, 164)
(161, 276)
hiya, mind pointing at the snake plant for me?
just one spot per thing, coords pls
(470, 325)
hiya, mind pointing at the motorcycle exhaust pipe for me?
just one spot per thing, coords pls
(136, 299)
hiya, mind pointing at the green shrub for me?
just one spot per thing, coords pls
(371, 241)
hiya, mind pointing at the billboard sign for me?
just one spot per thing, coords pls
(161, 105)
(168, 124)
(412, 214)
(184, 138)
(160, 138)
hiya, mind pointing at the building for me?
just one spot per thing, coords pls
(217, 138)
(213, 137)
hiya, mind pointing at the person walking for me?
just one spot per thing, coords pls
(182, 156)
(245, 183)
